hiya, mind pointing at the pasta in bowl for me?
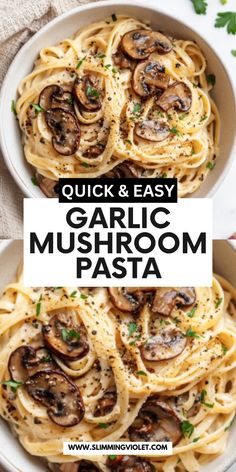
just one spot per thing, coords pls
(119, 99)
(119, 364)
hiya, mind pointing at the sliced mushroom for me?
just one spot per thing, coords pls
(59, 394)
(152, 130)
(66, 339)
(129, 464)
(54, 96)
(82, 466)
(148, 77)
(123, 171)
(167, 298)
(168, 343)
(87, 92)
(139, 44)
(122, 61)
(66, 131)
(94, 151)
(48, 186)
(156, 421)
(87, 466)
(125, 299)
(177, 95)
(25, 361)
(106, 404)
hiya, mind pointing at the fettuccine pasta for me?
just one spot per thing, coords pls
(119, 100)
(119, 364)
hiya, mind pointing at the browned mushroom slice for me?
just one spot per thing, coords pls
(66, 339)
(25, 361)
(129, 464)
(106, 404)
(156, 421)
(167, 298)
(152, 130)
(125, 299)
(59, 394)
(86, 466)
(139, 44)
(48, 186)
(148, 77)
(82, 466)
(124, 170)
(87, 93)
(177, 95)
(94, 151)
(122, 61)
(66, 131)
(54, 96)
(169, 342)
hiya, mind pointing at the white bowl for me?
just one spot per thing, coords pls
(13, 458)
(66, 25)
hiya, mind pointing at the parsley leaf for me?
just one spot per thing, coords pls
(13, 384)
(112, 458)
(137, 108)
(200, 6)
(191, 313)
(218, 302)
(202, 399)
(80, 62)
(37, 107)
(141, 372)
(73, 294)
(103, 425)
(38, 306)
(137, 338)
(174, 130)
(132, 328)
(92, 92)
(228, 19)
(13, 107)
(224, 348)
(83, 296)
(85, 164)
(187, 428)
(34, 181)
(100, 55)
(211, 79)
(191, 334)
(67, 335)
(233, 52)
(210, 165)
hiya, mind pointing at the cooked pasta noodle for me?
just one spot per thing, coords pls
(108, 134)
(198, 384)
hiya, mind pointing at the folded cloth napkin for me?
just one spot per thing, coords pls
(19, 20)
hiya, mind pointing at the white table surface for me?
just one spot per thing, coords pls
(224, 201)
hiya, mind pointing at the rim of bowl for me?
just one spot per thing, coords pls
(92, 6)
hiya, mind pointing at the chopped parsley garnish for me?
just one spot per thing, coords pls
(37, 107)
(200, 6)
(128, 141)
(210, 165)
(141, 372)
(67, 335)
(203, 118)
(192, 334)
(164, 175)
(132, 328)
(100, 55)
(92, 92)
(114, 71)
(176, 320)
(103, 425)
(112, 458)
(83, 296)
(187, 428)
(182, 117)
(80, 62)
(191, 313)
(13, 384)
(224, 349)
(175, 131)
(47, 358)
(211, 79)
(73, 294)
(85, 164)
(160, 113)
(223, 2)
(196, 440)
(233, 52)
(228, 19)
(136, 109)
(34, 181)
(202, 399)
(13, 107)
(107, 66)
(218, 303)
(114, 17)
(38, 306)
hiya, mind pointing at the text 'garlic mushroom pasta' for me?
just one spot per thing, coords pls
(119, 100)
(129, 364)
